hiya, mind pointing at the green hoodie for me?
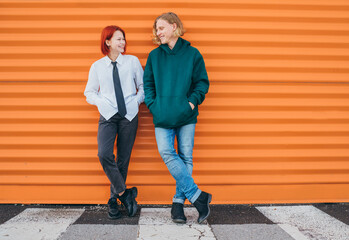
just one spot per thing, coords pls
(172, 79)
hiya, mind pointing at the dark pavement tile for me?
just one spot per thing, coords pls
(339, 211)
(8, 211)
(99, 215)
(236, 214)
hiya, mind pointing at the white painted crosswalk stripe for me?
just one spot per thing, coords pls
(39, 223)
(310, 221)
(293, 231)
(156, 223)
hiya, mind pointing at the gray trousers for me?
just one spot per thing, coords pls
(116, 170)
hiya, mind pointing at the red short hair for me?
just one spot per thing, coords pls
(107, 34)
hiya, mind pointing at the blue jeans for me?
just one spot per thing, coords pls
(180, 165)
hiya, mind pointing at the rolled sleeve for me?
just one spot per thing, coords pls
(139, 80)
(92, 87)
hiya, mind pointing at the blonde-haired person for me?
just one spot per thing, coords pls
(115, 86)
(175, 83)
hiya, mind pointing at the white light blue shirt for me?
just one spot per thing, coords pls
(100, 91)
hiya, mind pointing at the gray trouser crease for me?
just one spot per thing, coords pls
(125, 131)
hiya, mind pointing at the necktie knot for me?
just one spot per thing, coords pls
(114, 64)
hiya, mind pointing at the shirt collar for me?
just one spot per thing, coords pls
(119, 59)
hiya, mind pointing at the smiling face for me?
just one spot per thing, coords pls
(117, 43)
(165, 31)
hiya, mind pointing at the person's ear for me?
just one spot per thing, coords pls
(174, 26)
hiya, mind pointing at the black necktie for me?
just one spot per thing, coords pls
(118, 91)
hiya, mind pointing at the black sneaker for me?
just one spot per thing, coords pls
(202, 205)
(128, 199)
(113, 212)
(177, 213)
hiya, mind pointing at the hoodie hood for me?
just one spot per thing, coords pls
(180, 45)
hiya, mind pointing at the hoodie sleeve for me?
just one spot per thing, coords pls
(200, 81)
(149, 84)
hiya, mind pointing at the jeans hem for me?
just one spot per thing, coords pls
(178, 200)
(196, 195)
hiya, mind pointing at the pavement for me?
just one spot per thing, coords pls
(226, 222)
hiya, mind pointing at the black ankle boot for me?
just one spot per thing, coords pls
(177, 213)
(128, 199)
(113, 212)
(202, 205)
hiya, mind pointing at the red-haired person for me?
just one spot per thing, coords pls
(115, 86)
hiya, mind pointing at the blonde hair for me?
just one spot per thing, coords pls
(171, 18)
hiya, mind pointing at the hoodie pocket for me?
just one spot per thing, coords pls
(171, 111)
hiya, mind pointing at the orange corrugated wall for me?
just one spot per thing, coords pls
(274, 127)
